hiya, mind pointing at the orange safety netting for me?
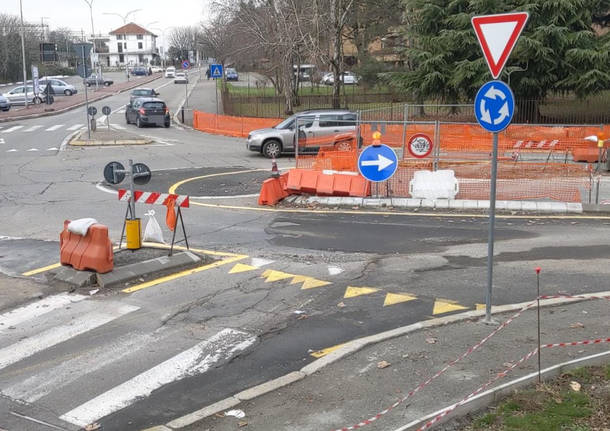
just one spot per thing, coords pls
(230, 126)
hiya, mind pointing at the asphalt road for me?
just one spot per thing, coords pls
(288, 284)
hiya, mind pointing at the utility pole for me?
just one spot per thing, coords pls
(25, 75)
(97, 75)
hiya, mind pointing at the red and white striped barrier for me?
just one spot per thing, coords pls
(534, 145)
(154, 198)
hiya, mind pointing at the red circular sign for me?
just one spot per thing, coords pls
(420, 145)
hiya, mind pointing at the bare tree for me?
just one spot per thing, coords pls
(182, 40)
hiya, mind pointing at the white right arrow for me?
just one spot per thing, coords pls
(381, 162)
(485, 115)
(503, 114)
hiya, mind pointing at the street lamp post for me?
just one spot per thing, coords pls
(25, 76)
(90, 4)
(124, 18)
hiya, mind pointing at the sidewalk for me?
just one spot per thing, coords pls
(355, 383)
(63, 104)
(202, 97)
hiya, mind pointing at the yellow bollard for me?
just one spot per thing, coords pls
(133, 233)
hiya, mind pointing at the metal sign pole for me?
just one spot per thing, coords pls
(132, 199)
(492, 223)
(86, 95)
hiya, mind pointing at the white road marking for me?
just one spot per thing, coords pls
(33, 149)
(259, 262)
(37, 309)
(31, 129)
(2, 141)
(52, 336)
(52, 149)
(12, 150)
(117, 126)
(50, 379)
(12, 129)
(75, 127)
(195, 360)
(334, 270)
(55, 127)
(102, 119)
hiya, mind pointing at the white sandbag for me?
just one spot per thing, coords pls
(153, 232)
(81, 226)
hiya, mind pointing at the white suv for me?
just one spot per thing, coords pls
(170, 72)
(321, 128)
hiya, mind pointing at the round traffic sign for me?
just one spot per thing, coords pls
(377, 163)
(420, 145)
(494, 106)
(141, 174)
(106, 110)
(111, 176)
(186, 64)
(92, 110)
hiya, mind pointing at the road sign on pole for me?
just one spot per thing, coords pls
(420, 145)
(186, 64)
(498, 35)
(216, 71)
(494, 106)
(377, 163)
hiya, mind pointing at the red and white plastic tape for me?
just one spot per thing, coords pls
(154, 198)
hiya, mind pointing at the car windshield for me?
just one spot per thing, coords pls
(231, 71)
(154, 105)
(286, 124)
(141, 92)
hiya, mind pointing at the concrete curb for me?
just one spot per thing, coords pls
(124, 274)
(444, 204)
(182, 104)
(485, 399)
(79, 143)
(352, 347)
(78, 105)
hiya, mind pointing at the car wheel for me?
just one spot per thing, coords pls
(127, 119)
(88, 84)
(167, 123)
(343, 146)
(272, 148)
(68, 92)
(106, 84)
(37, 101)
(138, 122)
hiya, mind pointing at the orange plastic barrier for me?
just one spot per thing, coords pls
(92, 251)
(273, 190)
(319, 183)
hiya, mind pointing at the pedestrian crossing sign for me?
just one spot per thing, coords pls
(216, 70)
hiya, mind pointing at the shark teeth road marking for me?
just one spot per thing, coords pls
(272, 275)
(352, 292)
(309, 282)
(445, 306)
(196, 360)
(397, 298)
(240, 267)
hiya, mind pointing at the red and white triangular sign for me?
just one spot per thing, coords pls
(498, 35)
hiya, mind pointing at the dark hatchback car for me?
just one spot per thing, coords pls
(142, 92)
(140, 71)
(146, 111)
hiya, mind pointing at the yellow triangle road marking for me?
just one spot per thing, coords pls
(309, 282)
(397, 298)
(272, 275)
(481, 306)
(240, 267)
(445, 306)
(352, 292)
(326, 351)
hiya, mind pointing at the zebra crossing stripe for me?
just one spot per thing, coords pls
(53, 336)
(55, 127)
(75, 127)
(12, 129)
(37, 309)
(31, 129)
(196, 360)
(117, 126)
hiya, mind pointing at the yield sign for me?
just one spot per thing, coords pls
(498, 35)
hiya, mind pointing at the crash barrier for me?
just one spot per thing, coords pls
(507, 368)
(327, 183)
(92, 251)
(273, 190)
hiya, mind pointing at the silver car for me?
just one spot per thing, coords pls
(317, 129)
(18, 94)
(59, 86)
(5, 105)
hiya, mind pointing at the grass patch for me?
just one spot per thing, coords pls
(583, 375)
(485, 421)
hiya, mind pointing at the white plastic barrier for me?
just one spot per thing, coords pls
(434, 185)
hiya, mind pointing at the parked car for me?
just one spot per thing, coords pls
(139, 71)
(147, 110)
(142, 92)
(59, 86)
(348, 78)
(5, 104)
(170, 72)
(231, 74)
(18, 95)
(156, 69)
(181, 78)
(319, 128)
(94, 80)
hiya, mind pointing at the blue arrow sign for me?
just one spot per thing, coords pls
(377, 163)
(186, 64)
(216, 70)
(494, 106)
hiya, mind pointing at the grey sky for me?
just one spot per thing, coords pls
(75, 13)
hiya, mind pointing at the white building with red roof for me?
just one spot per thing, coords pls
(131, 45)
